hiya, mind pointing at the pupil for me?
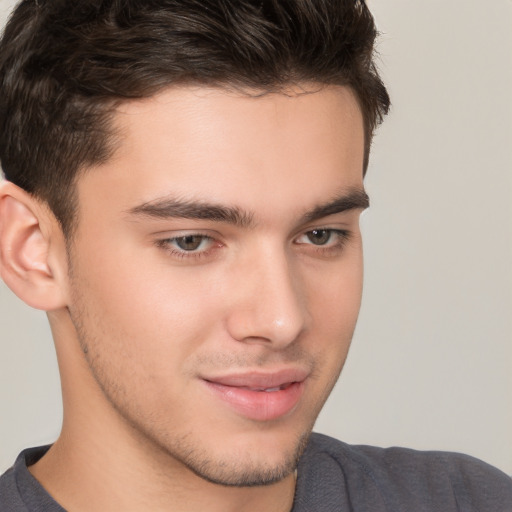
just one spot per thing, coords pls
(189, 243)
(319, 236)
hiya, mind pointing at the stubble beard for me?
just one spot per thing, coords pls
(242, 471)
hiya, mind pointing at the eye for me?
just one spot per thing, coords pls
(324, 242)
(323, 237)
(190, 242)
(319, 236)
(193, 245)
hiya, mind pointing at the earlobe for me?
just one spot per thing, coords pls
(25, 241)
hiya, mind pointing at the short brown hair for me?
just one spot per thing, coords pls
(65, 65)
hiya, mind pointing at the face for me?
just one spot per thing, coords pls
(216, 272)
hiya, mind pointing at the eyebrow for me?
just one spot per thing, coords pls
(168, 208)
(355, 199)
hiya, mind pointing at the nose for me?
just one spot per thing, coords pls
(269, 305)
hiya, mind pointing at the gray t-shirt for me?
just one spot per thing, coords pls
(336, 477)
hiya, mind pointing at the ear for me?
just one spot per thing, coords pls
(32, 249)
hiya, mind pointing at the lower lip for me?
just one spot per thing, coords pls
(259, 405)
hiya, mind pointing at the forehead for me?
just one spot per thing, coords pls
(196, 142)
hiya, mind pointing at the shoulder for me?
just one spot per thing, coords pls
(10, 500)
(20, 491)
(400, 478)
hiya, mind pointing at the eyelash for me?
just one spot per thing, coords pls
(166, 244)
(342, 237)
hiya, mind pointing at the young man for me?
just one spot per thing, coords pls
(184, 184)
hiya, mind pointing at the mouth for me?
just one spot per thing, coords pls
(270, 390)
(260, 396)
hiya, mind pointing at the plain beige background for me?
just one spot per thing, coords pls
(430, 366)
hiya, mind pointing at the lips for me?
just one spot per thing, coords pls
(260, 396)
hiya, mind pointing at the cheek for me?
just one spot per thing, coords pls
(142, 329)
(335, 296)
(334, 309)
(144, 310)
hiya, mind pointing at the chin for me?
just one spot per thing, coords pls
(236, 467)
(245, 473)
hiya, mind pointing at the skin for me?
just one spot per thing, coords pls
(141, 325)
